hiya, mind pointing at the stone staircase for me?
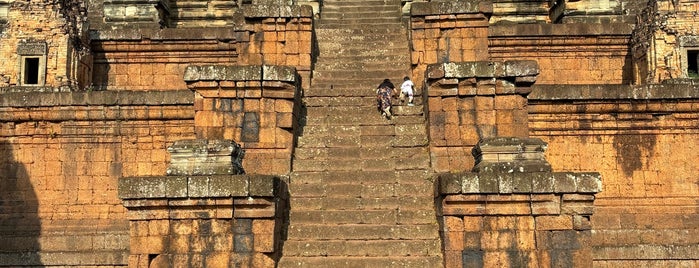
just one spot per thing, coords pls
(361, 189)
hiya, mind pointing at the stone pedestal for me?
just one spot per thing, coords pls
(514, 211)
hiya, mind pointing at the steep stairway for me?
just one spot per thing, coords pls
(361, 189)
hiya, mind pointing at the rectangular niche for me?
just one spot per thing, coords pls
(32, 63)
(690, 55)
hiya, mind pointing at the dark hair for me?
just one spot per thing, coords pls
(387, 80)
(406, 78)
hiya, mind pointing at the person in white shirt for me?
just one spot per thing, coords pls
(406, 89)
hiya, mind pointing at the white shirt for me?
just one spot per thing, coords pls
(407, 87)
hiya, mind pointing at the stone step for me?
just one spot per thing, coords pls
(396, 56)
(398, 42)
(375, 177)
(333, 25)
(360, 52)
(351, 13)
(353, 83)
(311, 131)
(355, 115)
(356, 8)
(366, 117)
(377, 75)
(381, 164)
(334, 217)
(314, 113)
(338, 102)
(363, 261)
(362, 232)
(354, 22)
(365, 32)
(355, 65)
(350, 188)
(353, 3)
(372, 248)
(305, 199)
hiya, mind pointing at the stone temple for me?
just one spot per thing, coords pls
(245, 133)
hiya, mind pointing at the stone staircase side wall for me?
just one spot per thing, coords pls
(204, 221)
(470, 101)
(256, 106)
(539, 219)
(447, 32)
(146, 58)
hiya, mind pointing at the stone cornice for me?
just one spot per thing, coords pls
(547, 30)
(214, 186)
(95, 98)
(613, 92)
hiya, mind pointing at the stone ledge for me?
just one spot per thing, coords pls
(66, 258)
(614, 92)
(277, 11)
(483, 69)
(571, 29)
(239, 73)
(523, 183)
(88, 98)
(450, 7)
(198, 186)
(236, 33)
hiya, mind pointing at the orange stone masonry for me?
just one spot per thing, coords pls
(255, 105)
(469, 101)
(512, 211)
(92, 95)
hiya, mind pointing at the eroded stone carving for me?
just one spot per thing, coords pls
(205, 157)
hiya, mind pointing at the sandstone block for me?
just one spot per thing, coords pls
(561, 222)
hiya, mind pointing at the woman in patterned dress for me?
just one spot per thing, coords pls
(384, 92)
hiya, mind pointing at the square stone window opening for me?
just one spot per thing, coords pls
(31, 74)
(32, 63)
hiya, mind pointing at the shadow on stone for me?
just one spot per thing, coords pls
(19, 221)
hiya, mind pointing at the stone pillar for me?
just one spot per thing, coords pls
(513, 211)
(201, 216)
(255, 105)
(470, 101)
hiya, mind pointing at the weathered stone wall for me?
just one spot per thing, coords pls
(513, 211)
(58, 29)
(470, 101)
(661, 46)
(567, 53)
(447, 32)
(149, 58)
(205, 221)
(62, 156)
(257, 106)
(643, 140)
